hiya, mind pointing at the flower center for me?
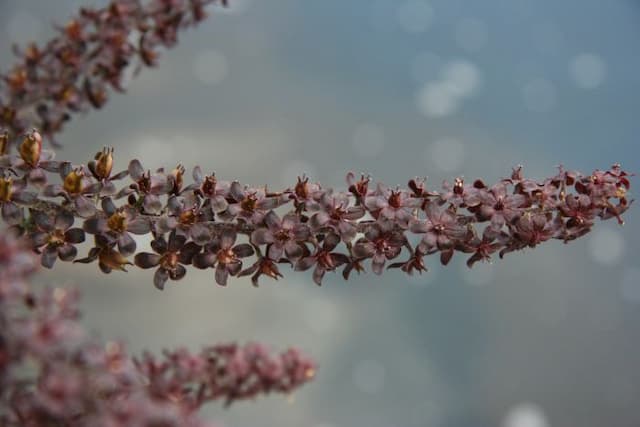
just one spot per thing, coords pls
(56, 237)
(117, 222)
(226, 256)
(169, 261)
(73, 181)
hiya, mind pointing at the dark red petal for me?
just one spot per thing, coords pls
(74, 235)
(243, 250)
(146, 260)
(160, 278)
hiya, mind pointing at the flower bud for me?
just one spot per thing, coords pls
(113, 259)
(73, 181)
(177, 175)
(302, 188)
(5, 189)
(31, 148)
(4, 143)
(102, 164)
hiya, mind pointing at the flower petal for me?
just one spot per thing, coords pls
(176, 242)
(160, 278)
(64, 220)
(139, 226)
(49, 256)
(74, 235)
(67, 252)
(221, 275)
(84, 207)
(262, 236)
(126, 244)
(227, 238)
(11, 213)
(146, 260)
(204, 260)
(151, 203)
(178, 273)
(135, 169)
(243, 250)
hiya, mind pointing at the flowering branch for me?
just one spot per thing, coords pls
(80, 382)
(74, 70)
(212, 224)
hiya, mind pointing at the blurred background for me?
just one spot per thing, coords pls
(265, 91)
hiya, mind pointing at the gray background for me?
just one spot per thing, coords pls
(269, 90)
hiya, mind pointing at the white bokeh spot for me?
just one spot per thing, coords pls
(463, 77)
(211, 67)
(587, 70)
(441, 97)
(368, 140)
(415, 16)
(630, 285)
(437, 100)
(368, 376)
(471, 34)
(539, 95)
(321, 315)
(525, 415)
(446, 154)
(606, 246)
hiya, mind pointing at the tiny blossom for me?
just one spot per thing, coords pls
(393, 206)
(324, 258)
(117, 224)
(55, 238)
(213, 191)
(284, 235)
(76, 186)
(498, 206)
(169, 258)
(337, 215)
(187, 216)
(147, 186)
(222, 254)
(441, 228)
(249, 204)
(379, 245)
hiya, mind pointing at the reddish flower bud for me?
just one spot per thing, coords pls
(102, 164)
(4, 143)
(113, 259)
(6, 185)
(73, 182)
(177, 174)
(31, 148)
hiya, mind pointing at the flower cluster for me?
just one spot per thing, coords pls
(238, 230)
(75, 70)
(80, 382)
